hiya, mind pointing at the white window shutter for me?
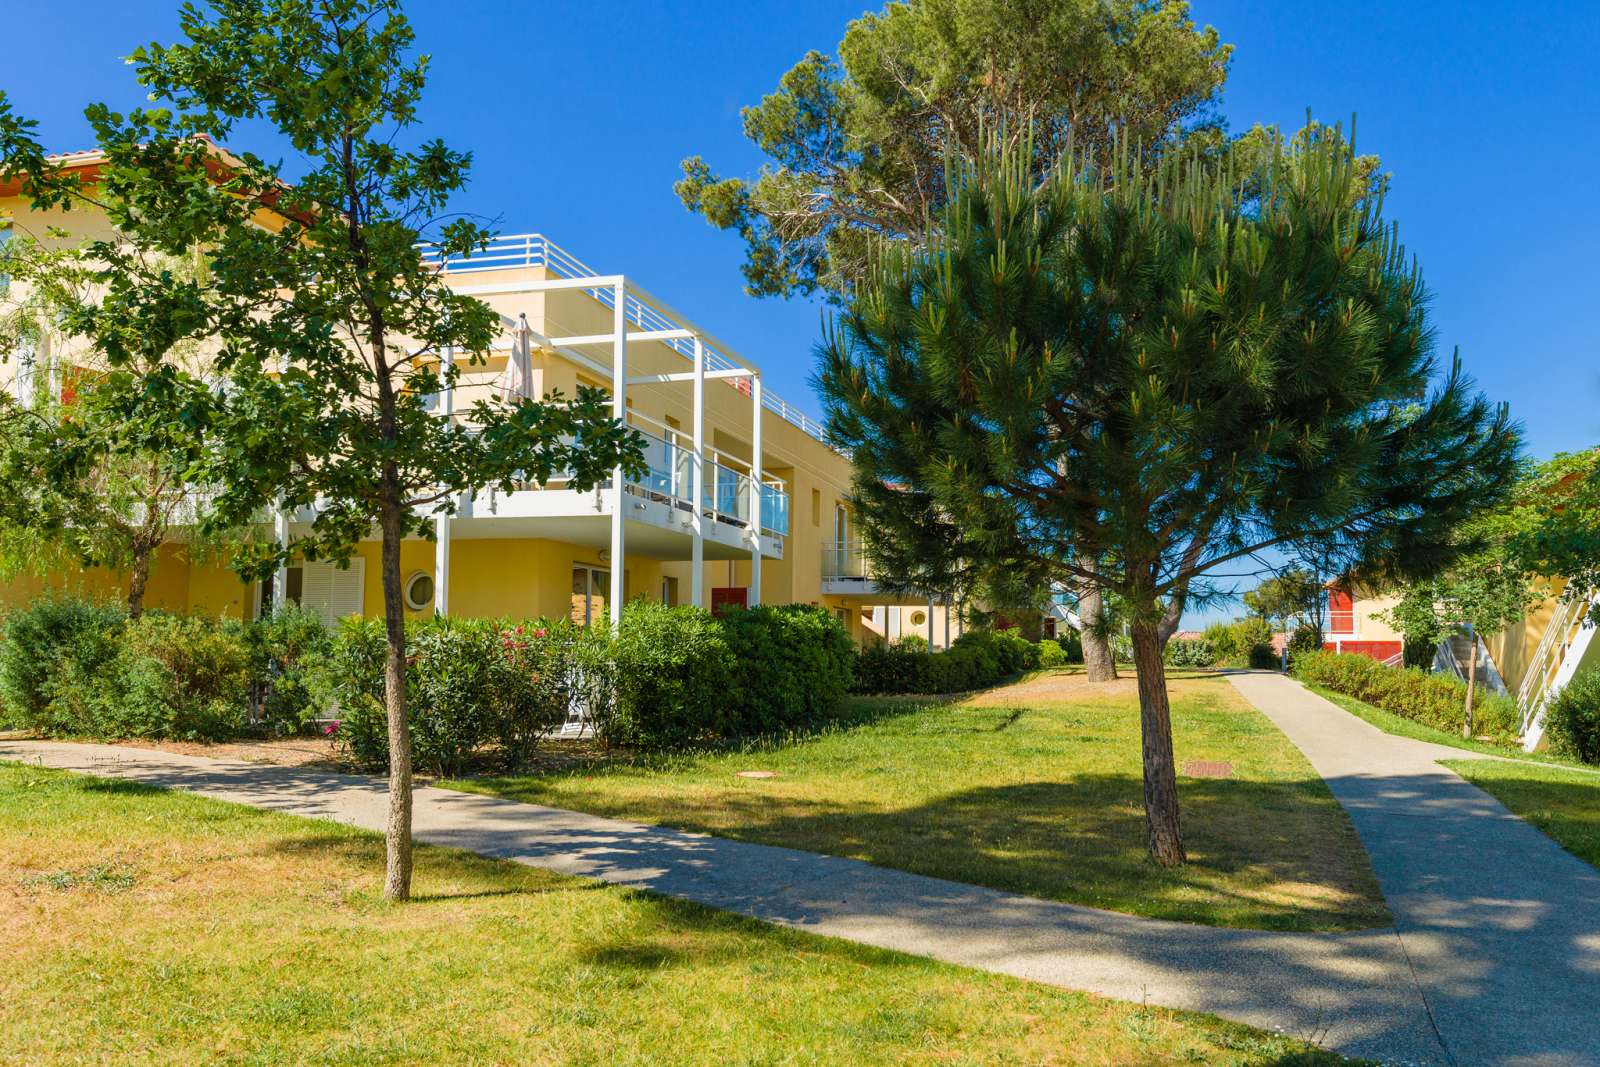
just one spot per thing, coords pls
(316, 590)
(347, 596)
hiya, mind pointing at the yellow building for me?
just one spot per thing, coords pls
(743, 502)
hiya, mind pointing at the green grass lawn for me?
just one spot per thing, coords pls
(1563, 802)
(1034, 788)
(1400, 726)
(142, 926)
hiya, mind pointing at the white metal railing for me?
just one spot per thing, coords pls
(512, 251)
(1567, 624)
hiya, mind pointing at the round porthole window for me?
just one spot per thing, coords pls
(919, 618)
(419, 591)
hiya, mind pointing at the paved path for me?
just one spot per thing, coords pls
(1357, 992)
(1500, 924)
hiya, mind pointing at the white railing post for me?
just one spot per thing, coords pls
(280, 577)
(619, 411)
(697, 549)
(755, 492)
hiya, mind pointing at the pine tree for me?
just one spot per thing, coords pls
(1133, 381)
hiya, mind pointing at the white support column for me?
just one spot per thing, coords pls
(930, 623)
(947, 603)
(619, 411)
(280, 577)
(441, 542)
(697, 552)
(755, 492)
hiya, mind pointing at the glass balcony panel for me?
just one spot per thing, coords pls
(774, 510)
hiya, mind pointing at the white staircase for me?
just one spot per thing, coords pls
(1554, 662)
(1451, 657)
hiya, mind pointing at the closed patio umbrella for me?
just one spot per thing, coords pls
(516, 381)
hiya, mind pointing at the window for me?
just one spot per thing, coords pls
(841, 523)
(419, 591)
(919, 618)
(590, 587)
(816, 507)
(669, 592)
(328, 590)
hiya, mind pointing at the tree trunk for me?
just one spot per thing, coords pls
(138, 579)
(1162, 834)
(1472, 683)
(397, 877)
(1098, 662)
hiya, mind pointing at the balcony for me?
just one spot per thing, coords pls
(659, 506)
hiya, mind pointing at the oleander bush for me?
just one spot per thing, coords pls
(1432, 699)
(285, 648)
(1572, 721)
(470, 684)
(1239, 642)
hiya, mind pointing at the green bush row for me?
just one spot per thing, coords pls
(1432, 699)
(81, 668)
(669, 676)
(976, 659)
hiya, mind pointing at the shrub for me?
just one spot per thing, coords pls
(285, 649)
(1432, 699)
(1051, 654)
(1071, 643)
(793, 665)
(673, 667)
(470, 683)
(976, 659)
(1304, 639)
(1235, 642)
(1190, 652)
(51, 637)
(1572, 721)
(181, 676)
(1262, 657)
(913, 643)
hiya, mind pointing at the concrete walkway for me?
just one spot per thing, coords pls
(1500, 924)
(1504, 969)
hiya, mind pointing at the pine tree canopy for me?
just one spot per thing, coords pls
(1137, 380)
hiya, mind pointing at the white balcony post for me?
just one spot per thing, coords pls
(619, 411)
(930, 622)
(280, 577)
(697, 488)
(755, 492)
(441, 540)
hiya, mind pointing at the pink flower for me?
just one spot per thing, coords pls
(541, 632)
(332, 728)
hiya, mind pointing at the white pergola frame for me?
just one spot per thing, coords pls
(619, 336)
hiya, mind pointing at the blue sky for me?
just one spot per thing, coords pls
(577, 115)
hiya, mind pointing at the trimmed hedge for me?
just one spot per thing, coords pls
(976, 659)
(1051, 654)
(1572, 721)
(1431, 699)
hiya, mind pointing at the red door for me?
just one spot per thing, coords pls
(729, 596)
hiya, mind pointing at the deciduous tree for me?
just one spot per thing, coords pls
(325, 323)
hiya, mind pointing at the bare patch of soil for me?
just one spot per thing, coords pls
(278, 751)
(1064, 687)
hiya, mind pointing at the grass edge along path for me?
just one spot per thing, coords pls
(1032, 788)
(1400, 726)
(145, 924)
(1562, 802)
